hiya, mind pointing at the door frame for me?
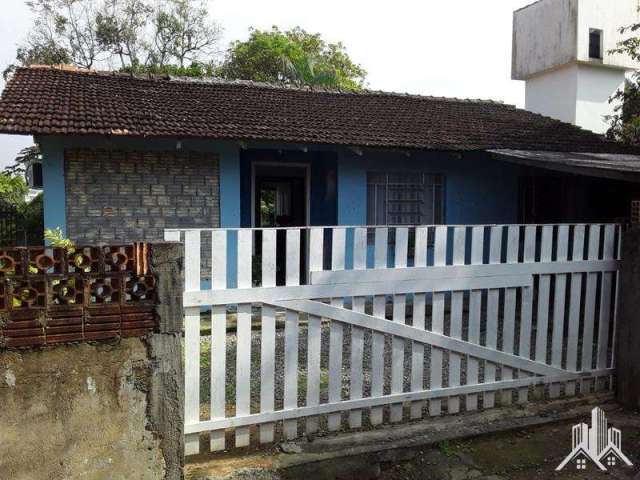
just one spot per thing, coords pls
(307, 186)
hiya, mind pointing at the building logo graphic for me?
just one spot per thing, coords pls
(596, 443)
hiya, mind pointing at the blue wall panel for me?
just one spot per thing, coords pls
(54, 187)
(477, 188)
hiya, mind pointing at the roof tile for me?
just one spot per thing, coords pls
(45, 100)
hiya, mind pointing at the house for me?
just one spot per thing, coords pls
(125, 157)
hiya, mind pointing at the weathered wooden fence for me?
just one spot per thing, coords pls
(331, 327)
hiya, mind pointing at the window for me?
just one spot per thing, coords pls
(581, 464)
(404, 198)
(611, 461)
(34, 175)
(595, 44)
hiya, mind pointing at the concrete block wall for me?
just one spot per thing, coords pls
(125, 196)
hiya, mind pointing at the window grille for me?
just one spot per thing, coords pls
(404, 198)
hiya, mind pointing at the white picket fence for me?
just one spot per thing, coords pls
(480, 315)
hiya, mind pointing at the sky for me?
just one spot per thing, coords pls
(451, 48)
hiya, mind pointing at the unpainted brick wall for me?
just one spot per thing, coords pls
(126, 196)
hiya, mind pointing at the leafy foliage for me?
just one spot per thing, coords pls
(293, 57)
(56, 238)
(13, 189)
(29, 215)
(625, 122)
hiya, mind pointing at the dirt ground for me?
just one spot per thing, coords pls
(530, 454)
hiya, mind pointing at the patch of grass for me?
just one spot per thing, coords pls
(445, 448)
(324, 380)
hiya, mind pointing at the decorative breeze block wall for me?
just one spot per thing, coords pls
(52, 295)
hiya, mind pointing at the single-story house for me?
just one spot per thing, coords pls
(125, 157)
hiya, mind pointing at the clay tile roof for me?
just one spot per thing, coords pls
(58, 101)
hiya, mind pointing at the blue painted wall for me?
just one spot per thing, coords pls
(54, 188)
(477, 188)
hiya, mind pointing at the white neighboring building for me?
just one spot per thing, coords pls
(561, 50)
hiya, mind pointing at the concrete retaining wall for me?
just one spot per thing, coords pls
(78, 411)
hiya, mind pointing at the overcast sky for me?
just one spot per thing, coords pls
(453, 48)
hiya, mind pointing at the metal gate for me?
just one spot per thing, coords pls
(389, 324)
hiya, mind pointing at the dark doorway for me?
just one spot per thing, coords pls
(280, 196)
(280, 200)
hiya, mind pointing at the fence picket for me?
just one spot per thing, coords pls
(291, 333)
(508, 334)
(314, 332)
(617, 256)
(475, 312)
(562, 249)
(336, 331)
(457, 304)
(243, 349)
(590, 308)
(574, 307)
(493, 301)
(437, 319)
(399, 311)
(218, 358)
(381, 240)
(542, 312)
(268, 335)
(544, 285)
(419, 306)
(526, 307)
(357, 334)
(192, 341)
(608, 252)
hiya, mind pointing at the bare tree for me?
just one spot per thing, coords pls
(136, 35)
(122, 30)
(67, 26)
(193, 37)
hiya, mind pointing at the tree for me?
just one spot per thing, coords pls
(625, 121)
(293, 57)
(26, 156)
(139, 36)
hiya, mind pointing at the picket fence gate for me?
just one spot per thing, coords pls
(479, 315)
